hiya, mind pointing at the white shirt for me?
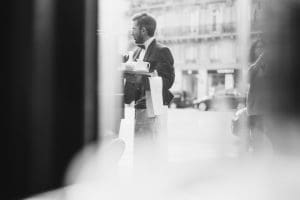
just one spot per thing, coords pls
(147, 44)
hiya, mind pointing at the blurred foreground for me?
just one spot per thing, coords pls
(203, 162)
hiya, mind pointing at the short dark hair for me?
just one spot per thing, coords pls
(147, 21)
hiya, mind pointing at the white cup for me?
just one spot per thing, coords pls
(129, 66)
(142, 66)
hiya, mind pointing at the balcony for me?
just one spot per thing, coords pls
(141, 5)
(137, 5)
(196, 32)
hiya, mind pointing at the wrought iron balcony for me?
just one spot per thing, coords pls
(197, 32)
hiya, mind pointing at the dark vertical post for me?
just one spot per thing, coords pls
(41, 140)
(90, 71)
(17, 77)
(51, 76)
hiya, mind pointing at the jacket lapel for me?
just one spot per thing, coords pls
(149, 51)
(136, 54)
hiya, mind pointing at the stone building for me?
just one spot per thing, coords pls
(202, 35)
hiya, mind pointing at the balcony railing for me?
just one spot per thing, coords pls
(139, 4)
(197, 31)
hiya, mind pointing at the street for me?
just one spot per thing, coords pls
(192, 135)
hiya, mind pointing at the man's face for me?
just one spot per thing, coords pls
(137, 33)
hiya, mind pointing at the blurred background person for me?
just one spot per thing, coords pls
(258, 96)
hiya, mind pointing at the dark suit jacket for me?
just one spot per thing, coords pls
(160, 59)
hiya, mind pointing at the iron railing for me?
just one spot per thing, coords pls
(193, 31)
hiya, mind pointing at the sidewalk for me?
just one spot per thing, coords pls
(192, 136)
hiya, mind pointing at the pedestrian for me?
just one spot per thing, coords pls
(149, 132)
(257, 99)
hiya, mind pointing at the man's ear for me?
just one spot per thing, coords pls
(144, 30)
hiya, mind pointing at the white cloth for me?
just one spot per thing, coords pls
(154, 99)
(150, 139)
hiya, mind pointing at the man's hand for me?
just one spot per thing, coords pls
(130, 78)
(133, 78)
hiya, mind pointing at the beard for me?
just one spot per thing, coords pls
(139, 39)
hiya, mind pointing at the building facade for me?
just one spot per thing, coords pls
(202, 35)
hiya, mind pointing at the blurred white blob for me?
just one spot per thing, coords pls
(222, 179)
(96, 162)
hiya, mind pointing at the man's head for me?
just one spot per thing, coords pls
(144, 26)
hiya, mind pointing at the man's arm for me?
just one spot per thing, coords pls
(133, 84)
(251, 73)
(254, 68)
(165, 67)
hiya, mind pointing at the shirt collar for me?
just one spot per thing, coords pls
(148, 42)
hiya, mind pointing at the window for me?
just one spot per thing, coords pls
(214, 20)
(214, 53)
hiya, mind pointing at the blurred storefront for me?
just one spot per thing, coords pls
(202, 35)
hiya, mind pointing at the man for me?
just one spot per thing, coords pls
(149, 130)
